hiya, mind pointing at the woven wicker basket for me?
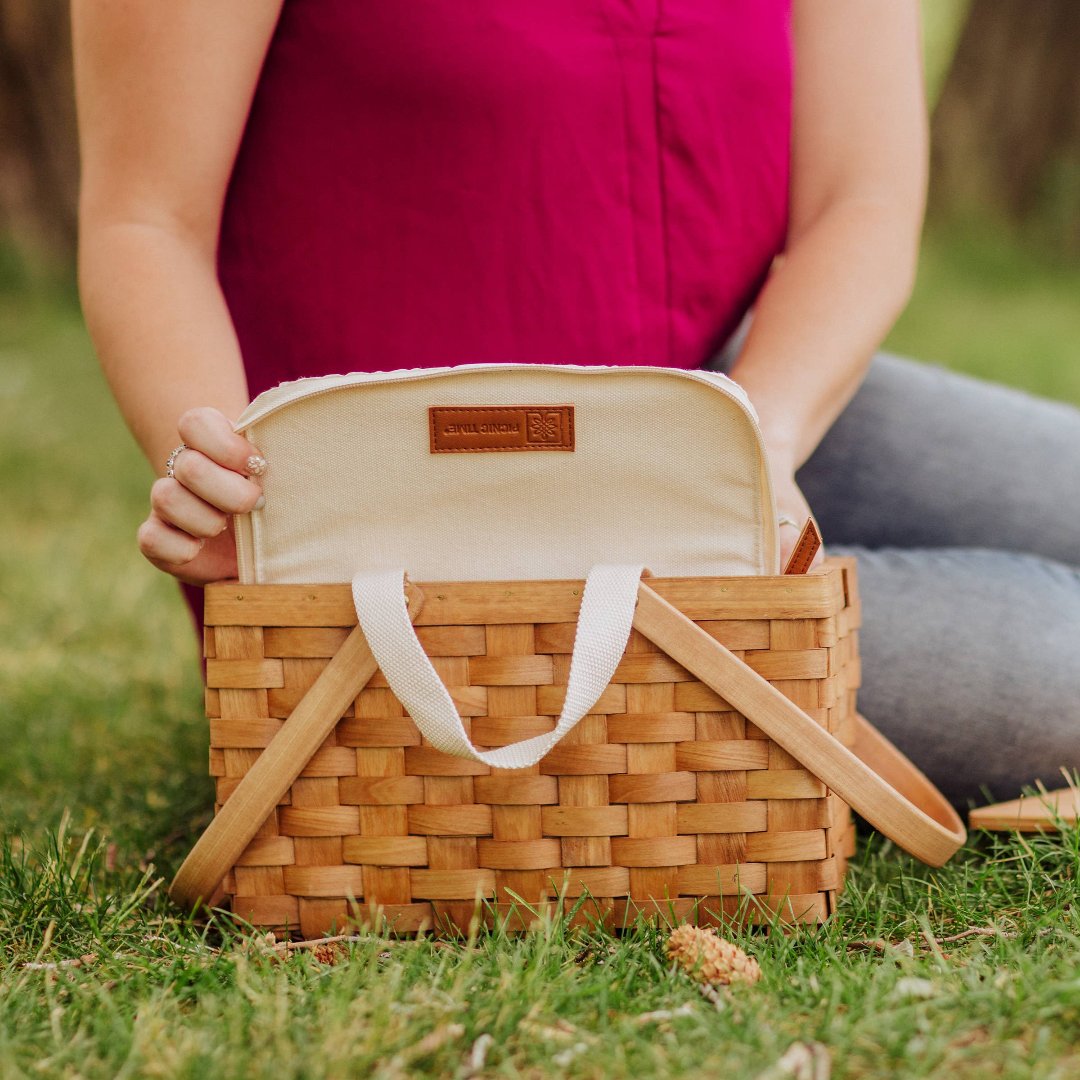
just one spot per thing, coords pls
(665, 799)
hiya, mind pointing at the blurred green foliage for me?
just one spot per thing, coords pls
(942, 21)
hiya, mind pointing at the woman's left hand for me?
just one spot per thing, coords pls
(791, 503)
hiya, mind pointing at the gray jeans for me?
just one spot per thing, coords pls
(961, 501)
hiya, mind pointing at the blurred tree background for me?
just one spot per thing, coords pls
(39, 164)
(1006, 130)
(1001, 266)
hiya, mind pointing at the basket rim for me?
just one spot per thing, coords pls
(821, 593)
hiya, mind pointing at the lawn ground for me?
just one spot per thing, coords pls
(969, 971)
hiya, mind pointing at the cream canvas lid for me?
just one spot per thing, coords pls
(667, 468)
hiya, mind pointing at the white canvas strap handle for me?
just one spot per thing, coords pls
(607, 614)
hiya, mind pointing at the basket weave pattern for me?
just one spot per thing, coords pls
(663, 800)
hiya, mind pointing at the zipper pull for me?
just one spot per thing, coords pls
(806, 547)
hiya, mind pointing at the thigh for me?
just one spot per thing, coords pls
(924, 457)
(970, 664)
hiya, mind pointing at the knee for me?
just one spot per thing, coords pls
(971, 662)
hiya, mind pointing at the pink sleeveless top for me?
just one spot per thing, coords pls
(560, 181)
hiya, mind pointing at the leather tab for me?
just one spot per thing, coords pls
(806, 547)
(480, 429)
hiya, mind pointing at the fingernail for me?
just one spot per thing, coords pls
(260, 504)
(256, 465)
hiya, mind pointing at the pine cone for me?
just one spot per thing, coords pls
(710, 959)
(329, 952)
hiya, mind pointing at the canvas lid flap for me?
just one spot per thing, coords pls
(666, 467)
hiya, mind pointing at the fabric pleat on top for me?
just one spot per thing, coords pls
(431, 182)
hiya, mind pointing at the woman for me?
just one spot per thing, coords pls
(272, 190)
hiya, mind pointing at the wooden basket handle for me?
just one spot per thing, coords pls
(876, 780)
(198, 880)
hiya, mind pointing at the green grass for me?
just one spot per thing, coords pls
(103, 786)
(990, 308)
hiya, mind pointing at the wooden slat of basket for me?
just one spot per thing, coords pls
(784, 784)
(340, 880)
(269, 851)
(790, 635)
(706, 755)
(718, 788)
(479, 603)
(381, 790)
(454, 878)
(783, 846)
(549, 699)
(239, 651)
(368, 730)
(597, 881)
(248, 671)
(317, 821)
(652, 819)
(696, 697)
(506, 789)
(663, 851)
(804, 664)
(653, 788)
(311, 641)
(241, 732)
(797, 814)
(651, 669)
(738, 634)
(276, 910)
(433, 764)
(579, 760)
(514, 672)
(459, 884)
(584, 791)
(318, 816)
(501, 730)
(800, 878)
(391, 885)
(703, 879)
(722, 817)
(386, 850)
(585, 821)
(651, 727)
(588, 791)
(478, 820)
(327, 761)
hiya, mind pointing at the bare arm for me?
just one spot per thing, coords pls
(858, 184)
(163, 92)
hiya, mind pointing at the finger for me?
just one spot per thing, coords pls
(166, 546)
(176, 505)
(789, 536)
(210, 432)
(216, 484)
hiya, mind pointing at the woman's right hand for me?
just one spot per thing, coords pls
(188, 532)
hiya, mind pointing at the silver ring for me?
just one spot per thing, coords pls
(255, 465)
(171, 460)
(783, 519)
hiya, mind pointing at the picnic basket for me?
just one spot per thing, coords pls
(708, 779)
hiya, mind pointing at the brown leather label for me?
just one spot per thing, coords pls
(480, 429)
(806, 547)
